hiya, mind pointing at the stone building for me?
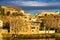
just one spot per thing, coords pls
(1, 23)
(43, 13)
(9, 10)
(24, 23)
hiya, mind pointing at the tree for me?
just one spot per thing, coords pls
(7, 26)
(42, 25)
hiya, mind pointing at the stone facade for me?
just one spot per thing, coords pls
(24, 23)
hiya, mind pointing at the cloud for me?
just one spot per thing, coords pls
(31, 3)
(35, 3)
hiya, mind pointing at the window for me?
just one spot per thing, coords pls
(32, 30)
(8, 13)
(25, 17)
(37, 28)
(46, 14)
(51, 28)
(29, 18)
(39, 16)
(32, 27)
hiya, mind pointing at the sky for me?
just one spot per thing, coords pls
(33, 6)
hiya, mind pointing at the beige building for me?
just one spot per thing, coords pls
(25, 23)
(11, 10)
(35, 27)
(1, 23)
(43, 13)
(58, 22)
